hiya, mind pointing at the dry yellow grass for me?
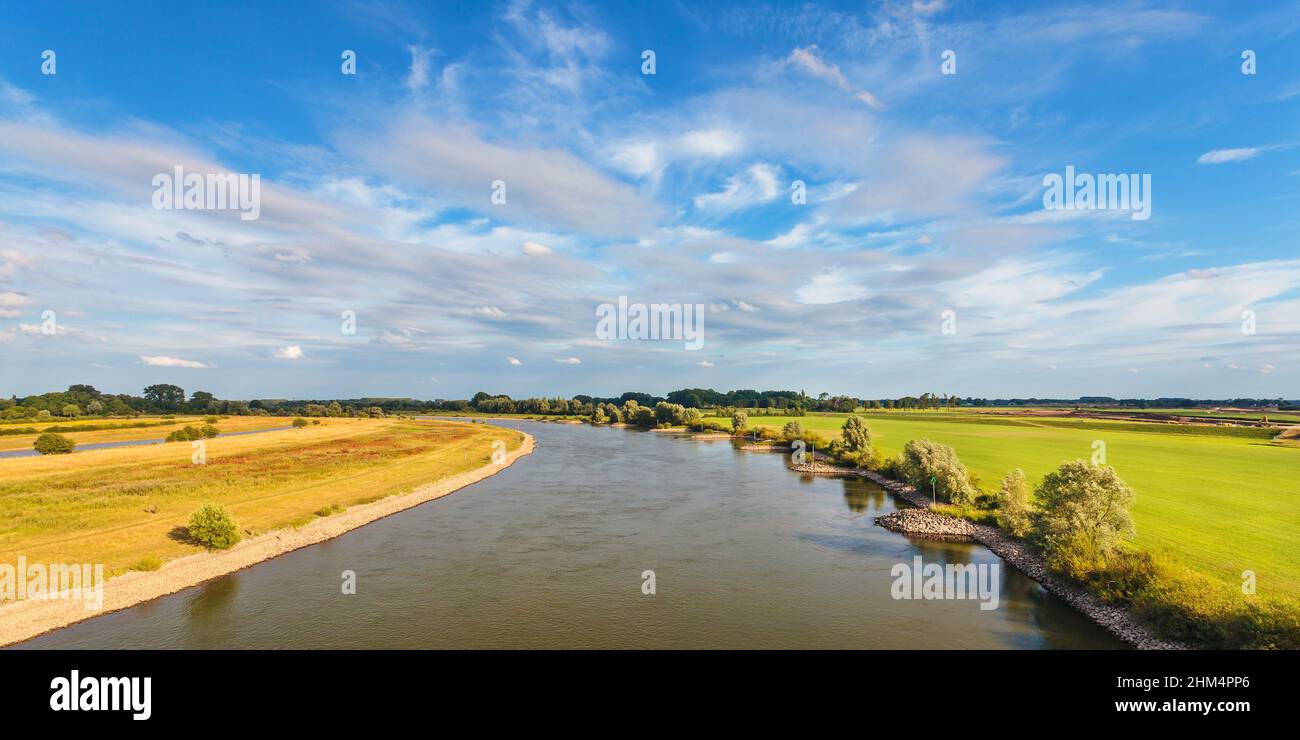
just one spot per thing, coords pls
(122, 506)
(229, 424)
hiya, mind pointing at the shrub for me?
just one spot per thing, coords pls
(924, 460)
(211, 419)
(213, 528)
(146, 563)
(791, 430)
(209, 431)
(856, 435)
(53, 444)
(300, 422)
(1013, 504)
(185, 434)
(1083, 505)
(739, 421)
(71, 410)
(329, 510)
(44, 415)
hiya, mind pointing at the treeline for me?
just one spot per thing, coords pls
(164, 398)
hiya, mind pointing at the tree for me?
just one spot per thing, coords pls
(642, 416)
(1083, 505)
(71, 410)
(924, 461)
(201, 400)
(856, 435)
(598, 416)
(94, 408)
(1013, 504)
(692, 418)
(791, 430)
(739, 420)
(53, 444)
(165, 395)
(300, 422)
(213, 528)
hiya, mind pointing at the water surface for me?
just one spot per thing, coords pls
(550, 552)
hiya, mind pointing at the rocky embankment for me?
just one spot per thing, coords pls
(922, 522)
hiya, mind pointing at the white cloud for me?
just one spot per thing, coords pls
(756, 185)
(418, 77)
(533, 249)
(830, 287)
(807, 60)
(292, 352)
(164, 361)
(704, 363)
(568, 360)
(514, 361)
(1220, 156)
(711, 143)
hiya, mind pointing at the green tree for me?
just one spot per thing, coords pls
(856, 435)
(692, 418)
(1013, 504)
(1083, 505)
(94, 408)
(213, 528)
(165, 396)
(53, 444)
(300, 422)
(791, 430)
(924, 461)
(739, 420)
(71, 410)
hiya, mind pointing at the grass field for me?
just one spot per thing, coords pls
(126, 506)
(1222, 500)
(157, 428)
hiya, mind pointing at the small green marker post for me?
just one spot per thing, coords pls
(933, 499)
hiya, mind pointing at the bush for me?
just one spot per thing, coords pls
(185, 434)
(209, 431)
(739, 421)
(924, 460)
(1083, 506)
(53, 444)
(146, 563)
(211, 419)
(791, 430)
(1013, 504)
(300, 422)
(213, 528)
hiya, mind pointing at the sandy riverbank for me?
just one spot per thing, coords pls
(24, 620)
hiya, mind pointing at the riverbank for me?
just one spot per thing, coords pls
(23, 620)
(923, 523)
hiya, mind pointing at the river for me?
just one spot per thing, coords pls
(550, 553)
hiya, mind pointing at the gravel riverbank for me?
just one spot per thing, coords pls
(921, 522)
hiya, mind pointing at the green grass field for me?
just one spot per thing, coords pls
(1221, 499)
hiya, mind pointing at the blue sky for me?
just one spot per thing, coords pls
(924, 195)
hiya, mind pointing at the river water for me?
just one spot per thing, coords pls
(550, 553)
